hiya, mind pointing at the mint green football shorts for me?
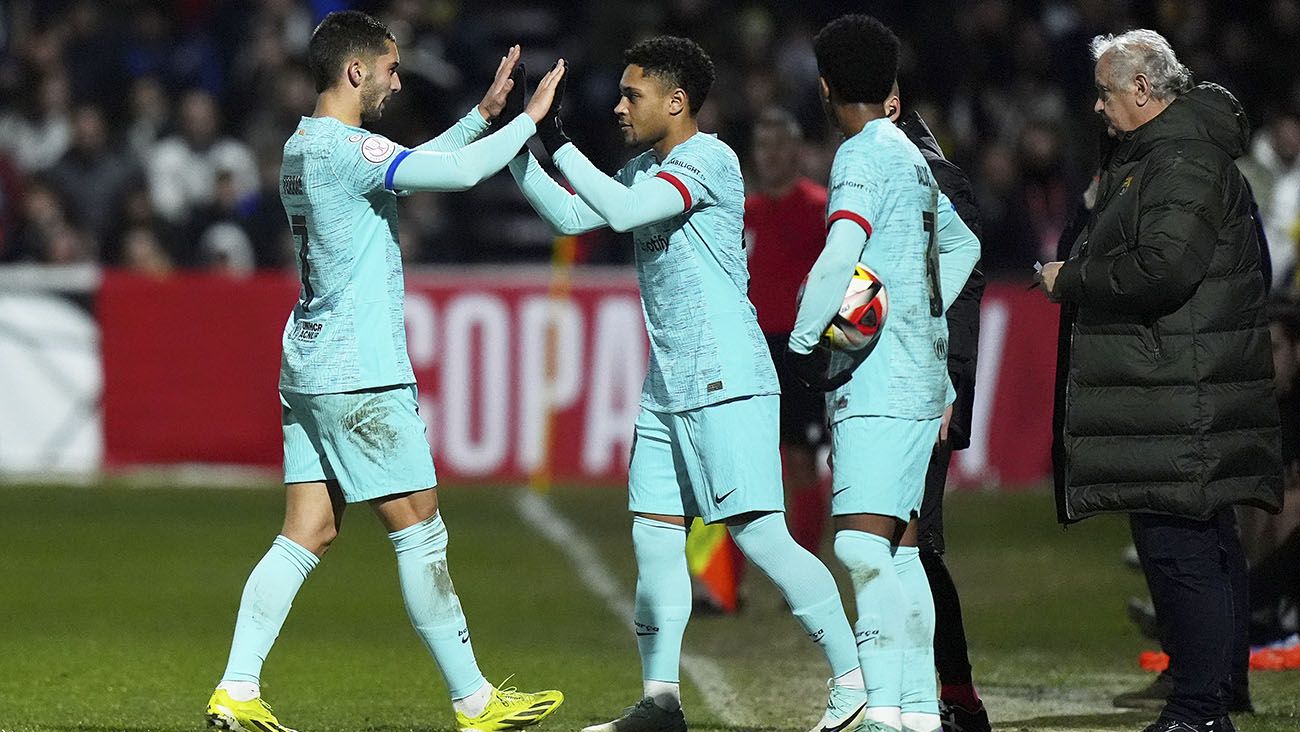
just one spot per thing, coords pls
(878, 465)
(715, 462)
(372, 442)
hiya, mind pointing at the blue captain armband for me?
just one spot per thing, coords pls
(392, 168)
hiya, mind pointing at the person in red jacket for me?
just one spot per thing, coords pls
(785, 228)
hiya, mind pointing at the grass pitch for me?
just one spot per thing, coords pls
(117, 603)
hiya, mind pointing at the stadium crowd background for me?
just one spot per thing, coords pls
(148, 134)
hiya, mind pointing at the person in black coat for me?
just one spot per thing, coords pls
(1167, 411)
(960, 705)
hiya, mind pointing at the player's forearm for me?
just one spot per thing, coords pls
(465, 131)
(959, 250)
(827, 283)
(565, 212)
(623, 207)
(421, 170)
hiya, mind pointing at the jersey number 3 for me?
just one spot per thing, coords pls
(298, 225)
(931, 263)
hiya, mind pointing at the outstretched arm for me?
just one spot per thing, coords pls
(565, 212)
(623, 207)
(465, 131)
(424, 170)
(456, 171)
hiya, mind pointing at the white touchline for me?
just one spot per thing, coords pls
(705, 673)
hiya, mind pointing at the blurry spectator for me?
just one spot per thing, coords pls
(263, 216)
(1045, 196)
(92, 175)
(150, 113)
(38, 131)
(221, 239)
(92, 53)
(41, 213)
(135, 210)
(1013, 242)
(292, 97)
(1282, 209)
(226, 248)
(183, 168)
(11, 184)
(143, 252)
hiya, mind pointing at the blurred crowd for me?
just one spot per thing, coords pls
(148, 134)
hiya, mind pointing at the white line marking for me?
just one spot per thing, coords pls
(705, 673)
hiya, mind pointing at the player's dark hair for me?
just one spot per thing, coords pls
(343, 34)
(857, 55)
(679, 62)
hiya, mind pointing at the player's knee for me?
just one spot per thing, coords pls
(315, 537)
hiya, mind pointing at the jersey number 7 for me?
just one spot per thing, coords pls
(298, 225)
(931, 263)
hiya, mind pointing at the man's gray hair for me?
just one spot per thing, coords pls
(1143, 52)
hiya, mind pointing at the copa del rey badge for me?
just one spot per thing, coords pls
(377, 149)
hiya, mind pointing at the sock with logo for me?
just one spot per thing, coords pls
(265, 604)
(808, 587)
(880, 626)
(663, 597)
(432, 604)
(920, 690)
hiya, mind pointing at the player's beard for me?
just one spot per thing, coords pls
(372, 103)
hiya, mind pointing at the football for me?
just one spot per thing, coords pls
(862, 314)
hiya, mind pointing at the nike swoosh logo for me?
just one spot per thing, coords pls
(640, 633)
(849, 720)
(723, 497)
(836, 493)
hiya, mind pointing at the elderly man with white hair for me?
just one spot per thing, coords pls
(1165, 409)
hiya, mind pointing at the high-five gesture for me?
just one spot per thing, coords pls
(546, 93)
(550, 130)
(496, 100)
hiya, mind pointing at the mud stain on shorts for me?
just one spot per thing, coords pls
(366, 427)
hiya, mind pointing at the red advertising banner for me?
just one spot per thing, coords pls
(521, 377)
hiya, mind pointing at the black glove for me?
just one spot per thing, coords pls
(514, 99)
(551, 130)
(810, 369)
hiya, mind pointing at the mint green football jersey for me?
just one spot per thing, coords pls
(705, 343)
(347, 330)
(880, 181)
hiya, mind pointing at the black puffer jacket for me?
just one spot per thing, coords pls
(964, 314)
(1169, 404)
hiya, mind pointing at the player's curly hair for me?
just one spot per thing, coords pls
(679, 62)
(857, 55)
(342, 34)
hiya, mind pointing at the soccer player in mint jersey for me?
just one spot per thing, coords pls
(707, 438)
(886, 211)
(351, 431)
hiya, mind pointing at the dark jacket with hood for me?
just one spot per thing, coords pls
(964, 314)
(1168, 401)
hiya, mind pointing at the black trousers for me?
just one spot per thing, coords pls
(951, 656)
(1196, 571)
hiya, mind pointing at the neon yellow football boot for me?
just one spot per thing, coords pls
(253, 715)
(510, 708)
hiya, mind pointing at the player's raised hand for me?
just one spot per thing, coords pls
(545, 105)
(496, 102)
